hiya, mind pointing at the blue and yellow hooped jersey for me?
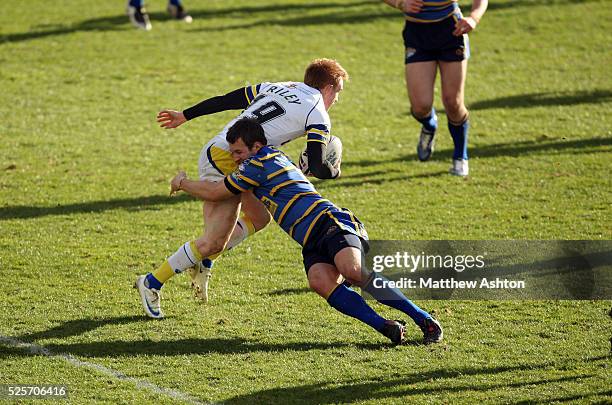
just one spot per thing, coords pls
(290, 198)
(435, 10)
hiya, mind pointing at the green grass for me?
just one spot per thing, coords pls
(84, 175)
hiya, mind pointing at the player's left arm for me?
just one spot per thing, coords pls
(318, 127)
(469, 23)
(203, 190)
(316, 161)
(238, 99)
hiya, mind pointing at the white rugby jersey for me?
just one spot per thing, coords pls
(286, 111)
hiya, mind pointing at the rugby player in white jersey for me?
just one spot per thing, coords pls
(286, 111)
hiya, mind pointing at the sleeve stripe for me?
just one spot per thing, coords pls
(256, 89)
(250, 181)
(234, 184)
(317, 131)
(280, 171)
(246, 94)
(230, 187)
(322, 127)
(269, 156)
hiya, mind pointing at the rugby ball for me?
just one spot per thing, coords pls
(332, 155)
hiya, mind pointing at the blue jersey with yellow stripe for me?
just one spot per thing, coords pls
(435, 10)
(290, 198)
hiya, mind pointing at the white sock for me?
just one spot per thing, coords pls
(184, 258)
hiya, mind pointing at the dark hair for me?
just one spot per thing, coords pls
(324, 72)
(247, 129)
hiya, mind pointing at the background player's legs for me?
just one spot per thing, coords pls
(138, 15)
(452, 75)
(178, 12)
(420, 80)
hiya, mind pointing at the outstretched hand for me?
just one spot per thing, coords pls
(170, 118)
(175, 183)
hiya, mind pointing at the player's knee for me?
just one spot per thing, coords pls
(453, 105)
(421, 111)
(317, 283)
(351, 271)
(320, 281)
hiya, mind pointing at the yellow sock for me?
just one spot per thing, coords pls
(186, 256)
(164, 272)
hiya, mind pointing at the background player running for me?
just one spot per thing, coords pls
(435, 36)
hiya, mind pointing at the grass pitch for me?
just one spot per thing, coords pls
(84, 176)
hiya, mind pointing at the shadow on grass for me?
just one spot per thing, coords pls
(385, 389)
(288, 291)
(79, 326)
(545, 100)
(136, 204)
(179, 347)
(514, 4)
(572, 398)
(507, 149)
(367, 180)
(121, 22)
(339, 16)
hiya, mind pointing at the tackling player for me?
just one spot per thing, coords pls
(333, 239)
(286, 111)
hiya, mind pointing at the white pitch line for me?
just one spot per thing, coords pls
(140, 384)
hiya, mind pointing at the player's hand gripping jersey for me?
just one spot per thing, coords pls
(290, 198)
(286, 111)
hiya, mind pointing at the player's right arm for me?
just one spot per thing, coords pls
(204, 190)
(238, 99)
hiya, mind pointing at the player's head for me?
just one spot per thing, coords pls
(328, 77)
(245, 137)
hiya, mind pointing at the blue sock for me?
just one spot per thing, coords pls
(430, 122)
(394, 298)
(459, 133)
(136, 3)
(352, 304)
(152, 282)
(206, 262)
(175, 2)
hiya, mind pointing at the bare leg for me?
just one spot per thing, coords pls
(420, 80)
